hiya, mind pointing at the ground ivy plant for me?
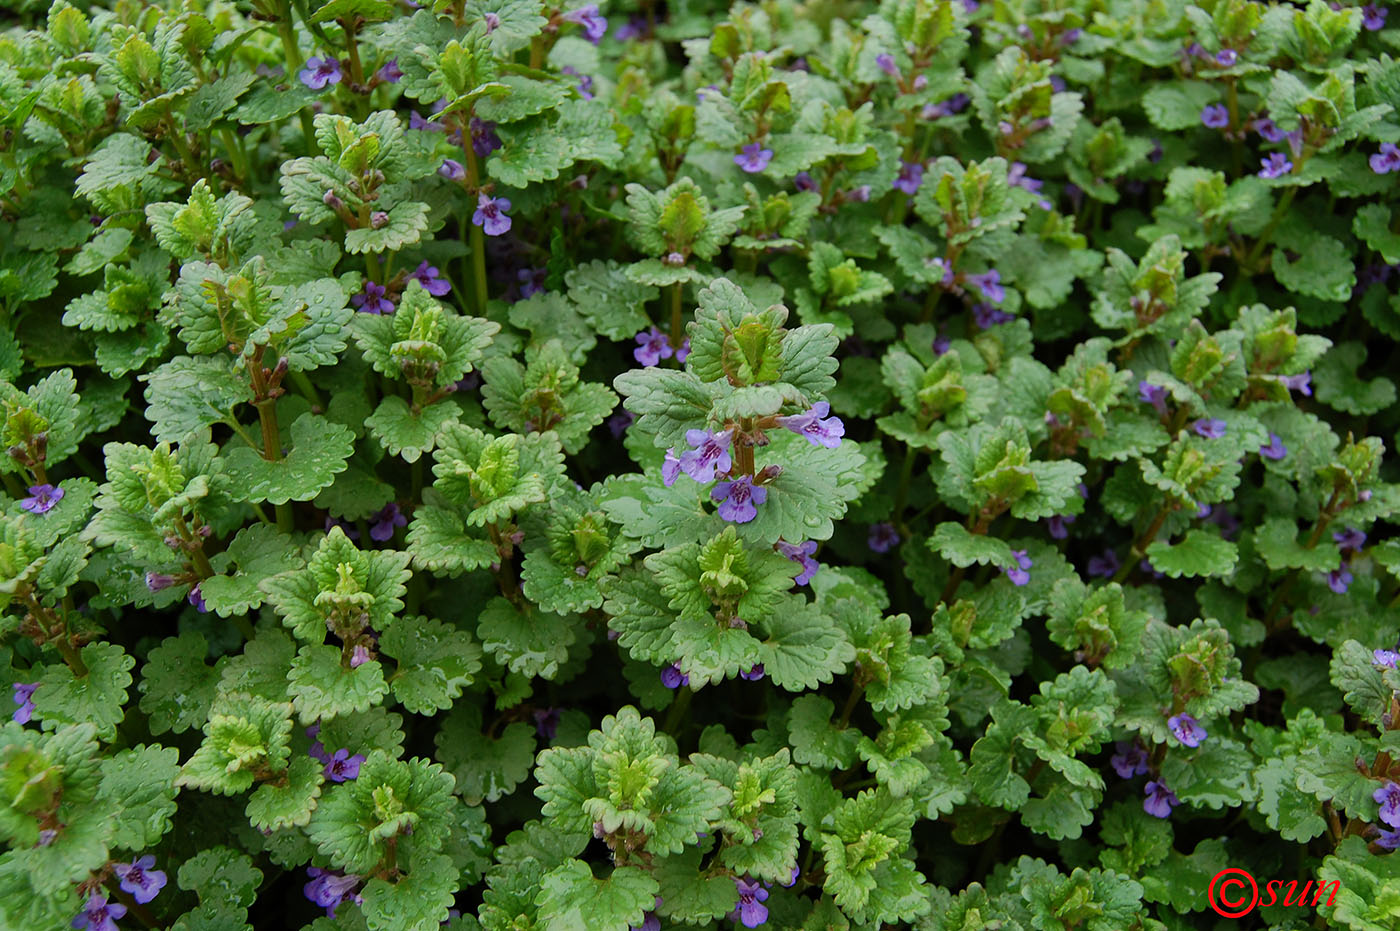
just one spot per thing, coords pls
(830, 466)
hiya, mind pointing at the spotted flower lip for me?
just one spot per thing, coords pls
(490, 214)
(989, 283)
(882, 537)
(1386, 160)
(753, 158)
(1160, 800)
(342, 766)
(320, 73)
(141, 878)
(911, 176)
(1186, 729)
(750, 910)
(739, 499)
(42, 498)
(373, 299)
(430, 278)
(1385, 658)
(1275, 166)
(98, 914)
(1388, 797)
(1373, 17)
(708, 455)
(801, 553)
(652, 347)
(1209, 428)
(673, 678)
(1130, 760)
(595, 26)
(24, 697)
(815, 426)
(1216, 116)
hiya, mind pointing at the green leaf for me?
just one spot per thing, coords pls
(1339, 386)
(403, 433)
(139, 786)
(485, 767)
(273, 807)
(435, 662)
(417, 902)
(323, 684)
(186, 395)
(570, 897)
(1323, 270)
(1276, 541)
(97, 697)
(259, 552)
(1177, 105)
(1198, 554)
(525, 639)
(320, 450)
(221, 877)
(405, 226)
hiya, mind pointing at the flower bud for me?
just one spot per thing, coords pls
(331, 201)
(378, 219)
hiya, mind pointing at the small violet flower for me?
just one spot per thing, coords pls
(801, 553)
(373, 299)
(329, 889)
(708, 455)
(1160, 800)
(1386, 659)
(882, 537)
(452, 170)
(986, 316)
(594, 25)
(546, 722)
(1387, 159)
(753, 158)
(750, 910)
(1339, 580)
(384, 521)
(1299, 383)
(1209, 428)
(430, 278)
(754, 674)
(815, 426)
(320, 72)
(1105, 566)
(652, 347)
(1129, 761)
(490, 214)
(1388, 796)
(1275, 166)
(1266, 128)
(1227, 57)
(359, 656)
(804, 181)
(1056, 525)
(885, 62)
(673, 678)
(196, 598)
(670, 468)
(1156, 395)
(1017, 573)
(42, 498)
(1349, 540)
(24, 697)
(1373, 17)
(342, 767)
(1216, 116)
(911, 175)
(738, 499)
(1274, 449)
(484, 138)
(390, 73)
(139, 879)
(1186, 729)
(98, 914)
(989, 283)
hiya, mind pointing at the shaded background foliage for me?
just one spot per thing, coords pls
(824, 465)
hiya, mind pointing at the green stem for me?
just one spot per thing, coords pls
(677, 326)
(236, 154)
(901, 495)
(292, 54)
(1142, 543)
(70, 655)
(678, 710)
(307, 389)
(1262, 243)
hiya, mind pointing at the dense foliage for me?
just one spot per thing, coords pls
(833, 465)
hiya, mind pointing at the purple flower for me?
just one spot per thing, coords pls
(753, 158)
(1160, 800)
(585, 82)
(452, 170)
(546, 722)
(670, 468)
(373, 299)
(986, 316)
(1275, 166)
(818, 431)
(317, 750)
(1070, 36)
(384, 521)
(1387, 159)
(1388, 796)
(989, 283)
(804, 182)
(1209, 428)
(196, 598)
(329, 889)
(158, 581)
(490, 214)
(493, 21)
(1016, 176)
(652, 347)
(1156, 395)
(885, 62)
(1057, 84)
(1216, 116)
(673, 678)
(708, 456)
(1274, 449)
(801, 553)
(1105, 566)
(941, 344)
(1385, 658)
(319, 72)
(911, 175)
(650, 921)
(1268, 129)
(416, 121)
(1129, 761)
(390, 73)
(750, 910)
(1373, 17)
(882, 537)
(430, 278)
(484, 138)
(1388, 839)
(138, 878)
(1186, 729)
(98, 915)
(342, 767)
(792, 879)
(1338, 580)
(359, 656)
(1350, 540)
(954, 104)
(739, 499)
(1017, 573)
(619, 422)
(42, 498)
(634, 28)
(1226, 57)
(24, 692)
(1300, 383)
(594, 25)
(754, 674)
(1056, 525)
(684, 351)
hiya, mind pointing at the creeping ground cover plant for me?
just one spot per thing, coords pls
(831, 466)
